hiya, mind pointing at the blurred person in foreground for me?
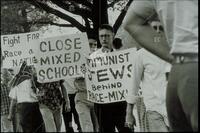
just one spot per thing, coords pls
(180, 22)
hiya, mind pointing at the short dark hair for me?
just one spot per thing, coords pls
(117, 43)
(80, 78)
(107, 27)
(92, 36)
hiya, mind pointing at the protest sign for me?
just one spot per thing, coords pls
(109, 76)
(17, 48)
(61, 57)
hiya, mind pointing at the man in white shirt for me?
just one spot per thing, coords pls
(149, 75)
(24, 96)
(180, 22)
(109, 115)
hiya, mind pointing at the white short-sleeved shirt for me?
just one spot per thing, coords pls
(69, 85)
(23, 92)
(150, 75)
(98, 52)
(179, 19)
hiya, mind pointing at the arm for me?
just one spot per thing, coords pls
(136, 16)
(12, 109)
(138, 71)
(66, 97)
(13, 103)
(131, 98)
(130, 119)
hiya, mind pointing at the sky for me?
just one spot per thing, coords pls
(127, 40)
(55, 30)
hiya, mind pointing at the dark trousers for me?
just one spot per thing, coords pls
(67, 116)
(182, 97)
(30, 117)
(110, 116)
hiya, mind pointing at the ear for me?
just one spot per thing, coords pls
(113, 34)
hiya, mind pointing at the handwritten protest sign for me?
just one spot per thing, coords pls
(61, 57)
(109, 76)
(17, 48)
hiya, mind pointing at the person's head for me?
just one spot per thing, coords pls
(117, 43)
(33, 70)
(92, 44)
(80, 82)
(11, 71)
(5, 75)
(106, 36)
(157, 26)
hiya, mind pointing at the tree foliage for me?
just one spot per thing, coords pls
(28, 15)
(93, 12)
(19, 16)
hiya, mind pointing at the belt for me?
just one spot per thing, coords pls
(185, 59)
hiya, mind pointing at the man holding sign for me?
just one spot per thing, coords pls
(110, 113)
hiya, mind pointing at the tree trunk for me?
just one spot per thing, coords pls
(100, 15)
(26, 26)
(119, 20)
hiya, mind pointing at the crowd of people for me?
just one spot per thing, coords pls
(165, 81)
